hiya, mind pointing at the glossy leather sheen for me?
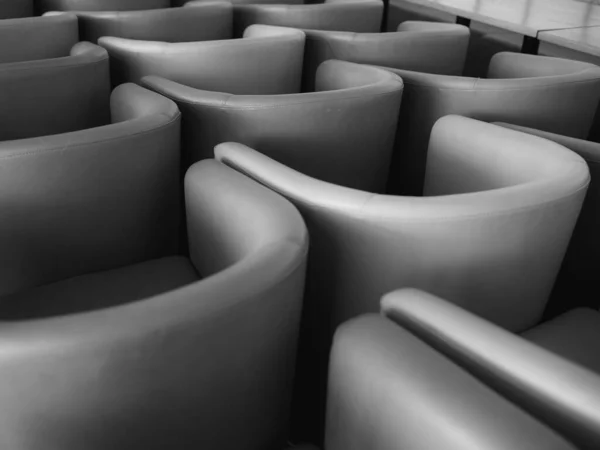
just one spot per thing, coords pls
(57, 95)
(419, 46)
(208, 365)
(550, 94)
(76, 190)
(579, 274)
(101, 5)
(342, 134)
(10, 9)
(268, 60)
(562, 394)
(388, 390)
(200, 22)
(361, 16)
(37, 38)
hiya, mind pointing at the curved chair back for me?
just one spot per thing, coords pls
(58, 95)
(11, 9)
(420, 46)
(389, 390)
(577, 283)
(562, 394)
(361, 16)
(540, 92)
(101, 5)
(201, 21)
(35, 38)
(343, 133)
(68, 198)
(268, 60)
(165, 371)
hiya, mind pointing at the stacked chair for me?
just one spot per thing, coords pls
(267, 225)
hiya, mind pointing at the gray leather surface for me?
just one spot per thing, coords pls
(388, 390)
(100, 5)
(535, 91)
(267, 60)
(10, 9)
(200, 21)
(32, 90)
(37, 38)
(361, 16)
(558, 392)
(342, 134)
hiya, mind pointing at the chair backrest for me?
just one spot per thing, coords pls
(420, 46)
(268, 60)
(562, 394)
(540, 92)
(389, 390)
(11, 9)
(361, 16)
(100, 5)
(58, 95)
(165, 372)
(577, 282)
(94, 199)
(34, 38)
(201, 21)
(343, 133)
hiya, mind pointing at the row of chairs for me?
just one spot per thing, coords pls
(356, 140)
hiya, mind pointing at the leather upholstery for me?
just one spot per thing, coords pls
(32, 91)
(540, 92)
(361, 16)
(101, 5)
(577, 283)
(558, 392)
(37, 38)
(419, 46)
(10, 9)
(202, 21)
(342, 134)
(388, 390)
(490, 235)
(267, 60)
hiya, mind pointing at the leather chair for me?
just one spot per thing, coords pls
(419, 46)
(361, 16)
(577, 283)
(550, 94)
(198, 21)
(35, 38)
(390, 390)
(268, 60)
(10, 9)
(490, 234)
(114, 339)
(343, 133)
(100, 5)
(551, 371)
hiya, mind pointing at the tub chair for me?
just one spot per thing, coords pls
(268, 60)
(111, 337)
(361, 16)
(550, 94)
(419, 46)
(577, 283)
(100, 5)
(490, 234)
(10, 9)
(342, 133)
(550, 371)
(202, 21)
(35, 38)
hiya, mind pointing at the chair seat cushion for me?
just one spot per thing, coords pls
(100, 289)
(573, 335)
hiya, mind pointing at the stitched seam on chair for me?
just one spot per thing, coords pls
(478, 81)
(68, 147)
(60, 66)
